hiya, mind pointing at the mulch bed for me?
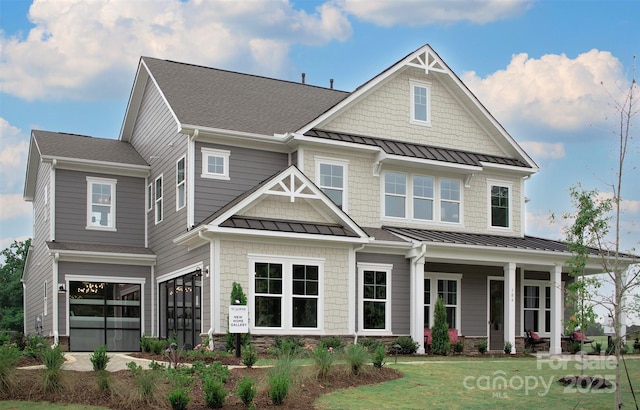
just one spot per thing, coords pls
(82, 387)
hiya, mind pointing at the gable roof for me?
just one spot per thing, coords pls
(420, 151)
(425, 58)
(205, 97)
(73, 151)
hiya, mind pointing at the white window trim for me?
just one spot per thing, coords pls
(103, 181)
(149, 197)
(490, 184)
(345, 172)
(380, 267)
(412, 118)
(437, 200)
(434, 277)
(212, 152)
(182, 184)
(158, 218)
(287, 294)
(541, 284)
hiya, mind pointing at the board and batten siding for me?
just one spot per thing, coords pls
(71, 210)
(400, 289)
(40, 263)
(124, 272)
(247, 168)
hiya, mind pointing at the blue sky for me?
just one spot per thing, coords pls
(68, 66)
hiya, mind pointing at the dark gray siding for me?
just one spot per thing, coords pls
(119, 271)
(40, 263)
(247, 168)
(71, 210)
(400, 291)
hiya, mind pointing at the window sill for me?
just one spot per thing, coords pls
(99, 228)
(213, 176)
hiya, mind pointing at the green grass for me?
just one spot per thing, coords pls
(25, 405)
(455, 383)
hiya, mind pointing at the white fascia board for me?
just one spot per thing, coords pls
(33, 160)
(133, 105)
(191, 236)
(105, 257)
(510, 168)
(248, 139)
(104, 167)
(164, 98)
(287, 235)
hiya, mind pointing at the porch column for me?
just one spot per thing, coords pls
(417, 326)
(555, 345)
(510, 305)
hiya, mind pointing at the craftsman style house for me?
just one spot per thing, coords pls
(339, 213)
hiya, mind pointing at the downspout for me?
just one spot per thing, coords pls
(54, 297)
(211, 276)
(154, 288)
(24, 303)
(52, 198)
(355, 332)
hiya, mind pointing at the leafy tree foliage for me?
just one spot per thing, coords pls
(440, 334)
(11, 309)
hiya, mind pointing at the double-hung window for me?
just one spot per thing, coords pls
(536, 306)
(181, 185)
(375, 297)
(287, 293)
(500, 204)
(215, 163)
(158, 199)
(420, 103)
(445, 286)
(331, 175)
(101, 203)
(422, 198)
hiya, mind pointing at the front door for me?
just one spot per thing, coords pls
(496, 314)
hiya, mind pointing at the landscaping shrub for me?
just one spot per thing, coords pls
(407, 345)
(335, 343)
(507, 347)
(9, 356)
(52, 375)
(246, 390)
(379, 356)
(146, 344)
(357, 356)
(218, 371)
(440, 333)
(214, 392)
(458, 347)
(370, 344)
(482, 346)
(103, 380)
(158, 346)
(287, 347)
(527, 351)
(597, 347)
(144, 380)
(34, 346)
(179, 398)
(249, 356)
(322, 360)
(99, 358)
(279, 378)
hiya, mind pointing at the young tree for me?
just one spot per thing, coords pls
(11, 309)
(440, 334)
(601, 228)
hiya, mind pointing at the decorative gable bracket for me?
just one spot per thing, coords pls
(428, 61)
(292, 187)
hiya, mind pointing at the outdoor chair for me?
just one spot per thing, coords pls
(579, 336)
(533, 339)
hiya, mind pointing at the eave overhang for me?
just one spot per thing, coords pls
(104, 257)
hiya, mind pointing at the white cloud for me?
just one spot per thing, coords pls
(12, 206)
(554, 90)
(542, 225)
(420, 12)
(78, 47)
(543, 150)
(13, 156)
(627, 206)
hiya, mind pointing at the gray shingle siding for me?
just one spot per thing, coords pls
(247, 168)
(71, 210)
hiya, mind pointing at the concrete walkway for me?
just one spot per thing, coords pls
(81, 362)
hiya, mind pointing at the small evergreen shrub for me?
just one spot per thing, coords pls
(35, 346)
(322, 360)
(214, 392)
(179, 398)
(482, 346)
(249, 356)
(527, 351)
(287, 347)
(458, 347)
(335, 343)
(9, 356)
(370, 344)
(218, 371)
(158, 346)
(99, 358)
(279, 379)
(146, 344)
(357, 357)
(440, 333)
(597, 347)
(508, 347)
(246, 390)
(52, 375)
(407, 345)
(379, 356)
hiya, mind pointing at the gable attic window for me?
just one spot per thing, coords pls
(215, 163)
(181, 186)
(331, 175)
(420, 103)
(101, 203)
